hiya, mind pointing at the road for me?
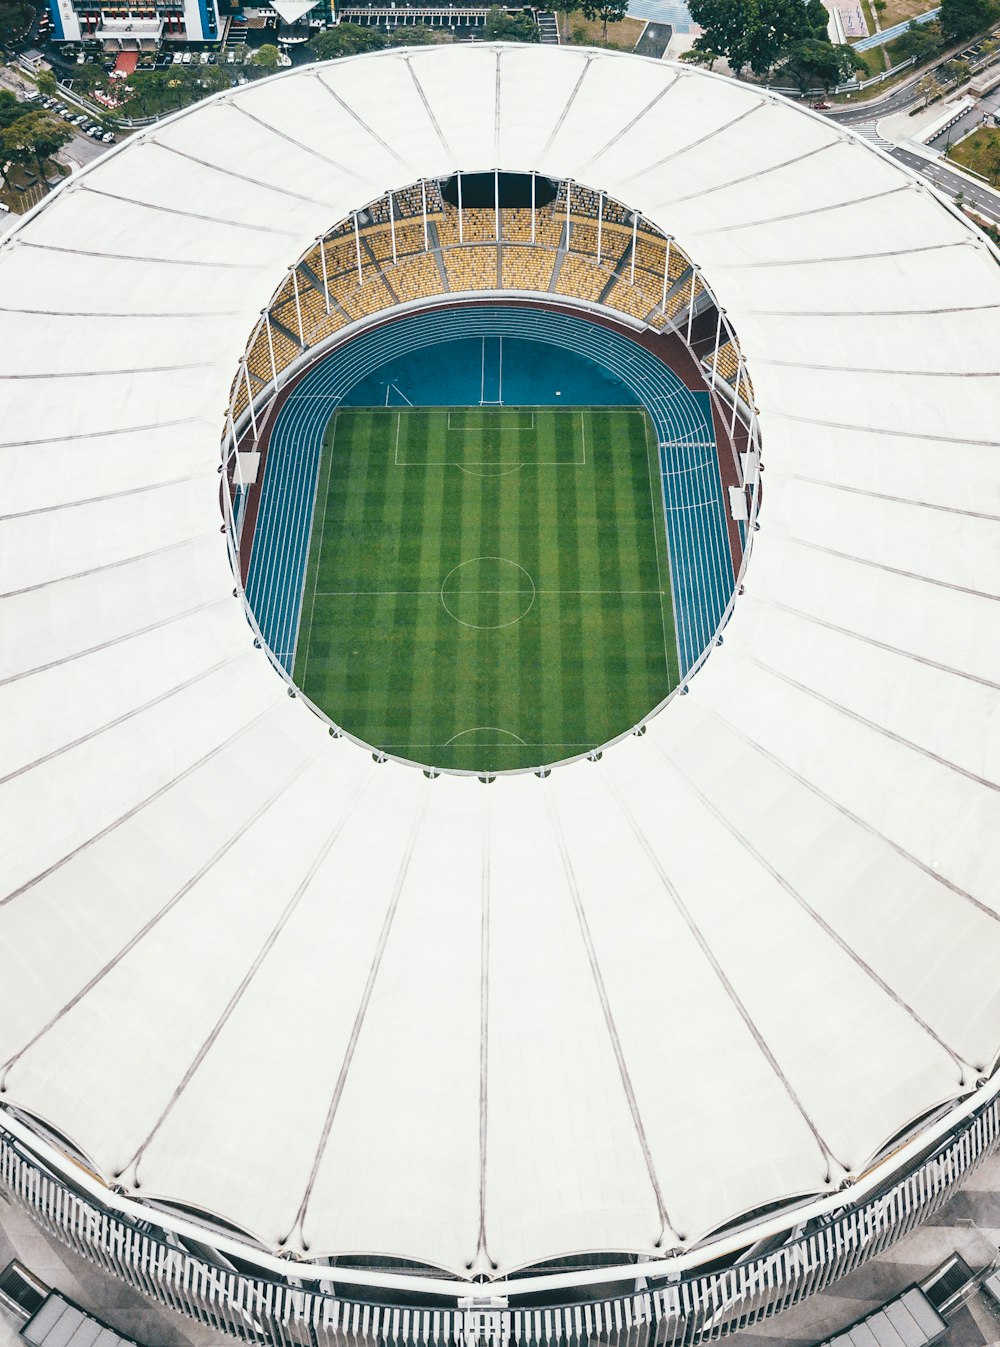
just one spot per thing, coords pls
(77, 152)
(981, 198)
(864, 117)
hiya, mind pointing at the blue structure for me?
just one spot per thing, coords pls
(394, 364)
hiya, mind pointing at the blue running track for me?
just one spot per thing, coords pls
(701, 564)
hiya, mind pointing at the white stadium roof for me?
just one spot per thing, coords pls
(351, 1010)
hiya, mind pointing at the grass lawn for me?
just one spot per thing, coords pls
(590, 32)
(874, 61)
(980, 151)
(898, 10)
(487, 588)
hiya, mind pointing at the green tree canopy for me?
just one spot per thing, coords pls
(10, 108)
(503, 27)
(608, 11)
(811, 62)
(920, 40)
(268, 57)
(346, 39)
(960, 19)
(15, 15)
(47, 84)
(35, 137)
(757, 33)
(418, 35)
(698, 55)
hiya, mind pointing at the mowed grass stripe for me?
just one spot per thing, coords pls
(629, 659)
(407, 619)
(395, 669)
(596, 551)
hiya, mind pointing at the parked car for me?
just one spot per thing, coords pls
(822, 107)
(178, 57)
(79, 121)
(108, 138)
(203, 58)
(186, 58)
(230, 57)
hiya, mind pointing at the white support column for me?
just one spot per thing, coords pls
(326, 284)
(237, 471)
(635, 236)
(496, 201)
(298, 308)
(666, 276)
(392, 226)
(532, 207)
(270, 349)
(694, 282)
(423, 203)
(600, 225)
(461, 235)
(715, 355)
(253, 417)
(736, 394)
(357, 249)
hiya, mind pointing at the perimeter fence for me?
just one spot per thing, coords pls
(685, 1312)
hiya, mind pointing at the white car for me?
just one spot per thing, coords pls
(186, 58)
(108, 138)
(203, 58)
(230, 57)
(178, 57)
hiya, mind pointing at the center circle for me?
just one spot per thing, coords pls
(487, 593)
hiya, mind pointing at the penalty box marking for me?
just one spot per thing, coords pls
(486, 463)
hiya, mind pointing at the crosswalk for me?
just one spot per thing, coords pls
(868, 131)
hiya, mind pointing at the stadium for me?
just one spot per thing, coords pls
(500, 768)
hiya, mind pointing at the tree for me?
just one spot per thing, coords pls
(696, 55)
(418, 35)
(757, 33)
(608, 11)
(48, 86)
(10, 108)
(960, 19)
(811, 62)
(346, 39)
(15, 16)
(503, 27)
(916, 42)
(563, 9)
(35, 137)
(927, 88)
(268, 57)
(87, 79)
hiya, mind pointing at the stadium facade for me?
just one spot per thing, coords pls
(645, 1047)
(124, 26)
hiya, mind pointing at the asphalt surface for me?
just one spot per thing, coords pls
(864, 117)
(981, 198)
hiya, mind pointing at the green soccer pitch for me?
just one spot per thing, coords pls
(487, 588)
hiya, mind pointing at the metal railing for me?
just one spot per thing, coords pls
(688, 1311)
